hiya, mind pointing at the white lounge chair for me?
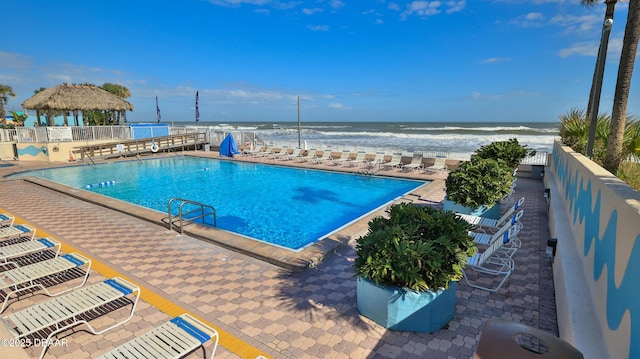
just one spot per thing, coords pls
(360, 159)
(174, 339)
(284, 151)
(62, 313)
(6, 220)
(344, 157)
(507, 234)
(7, 253)
(377, 160)
(440, 164)
(491, 262)
(415, 164)
(309, 155)
(490, 223)
(395, 162)
(268, 151)
(326, 155)
(29, 278)
(17, 231)
(293, 155)
(251, 151)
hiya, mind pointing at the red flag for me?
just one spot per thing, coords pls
(197, 112)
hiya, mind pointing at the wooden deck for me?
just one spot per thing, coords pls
(140, 146)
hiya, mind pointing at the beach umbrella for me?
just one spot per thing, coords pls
(157, 110)
(197, 112)
(228, 147)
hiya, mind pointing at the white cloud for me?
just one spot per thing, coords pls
(422, 8)
(312, 11)
(585, 48)
(590, 48)
(532, 19)
(379, 22)
(14, 60)
(336, 4)
(394, 6)
(338, 106)
(318, 27)
(495, 60)
(455, 6)
(574, 23)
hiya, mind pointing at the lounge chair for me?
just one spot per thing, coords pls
(174, 339)
(252, 151)
(326, 155)
(62, 313)
(6, 220)
(360, 158)
(490, 223)
(511, 242)
(440, 164)
(293, 155)
(491, 262)
(309, 155)
(7, 253)
(284, 151)
(395, 162)
(29, 278)
(415, 164)
(268, 151)
(377, 160)
(344, 157)
(17, 231)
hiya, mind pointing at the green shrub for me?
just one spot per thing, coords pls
(479, 182)
(510, 151)
(419, 248)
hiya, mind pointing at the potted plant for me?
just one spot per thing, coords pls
(477, 186)
(408, 265)
(510, 151)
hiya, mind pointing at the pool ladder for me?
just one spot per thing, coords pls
(200, 207)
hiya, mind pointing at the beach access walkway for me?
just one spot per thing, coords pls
(260, 308)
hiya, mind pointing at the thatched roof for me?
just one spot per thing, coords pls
(76, 97)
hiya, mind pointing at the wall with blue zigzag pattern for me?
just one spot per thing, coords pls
(605, 215)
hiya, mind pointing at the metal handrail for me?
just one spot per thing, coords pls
(202, 215)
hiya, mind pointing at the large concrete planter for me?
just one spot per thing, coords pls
(404, 310)
(492, 212)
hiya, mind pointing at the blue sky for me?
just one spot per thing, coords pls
(494, 60)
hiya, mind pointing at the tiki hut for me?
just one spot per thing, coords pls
(66, 98)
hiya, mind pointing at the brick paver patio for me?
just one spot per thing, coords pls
(309, 314)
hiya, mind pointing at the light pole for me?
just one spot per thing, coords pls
(595, 100)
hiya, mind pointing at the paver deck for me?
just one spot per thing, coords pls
(307, 314)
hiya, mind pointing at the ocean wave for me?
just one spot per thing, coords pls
(486, 129)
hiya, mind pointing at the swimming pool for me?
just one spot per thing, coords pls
(285, 206)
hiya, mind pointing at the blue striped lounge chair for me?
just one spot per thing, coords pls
(176, 338)
(492, 261)
(72, 309)
(20, 230)
(6, 220)
(30, 277)
(8, 253)
(490, 223)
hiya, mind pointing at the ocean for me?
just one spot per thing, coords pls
(460, 138)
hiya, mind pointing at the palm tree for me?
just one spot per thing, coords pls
(614, 152)
(5, 92)
(593, 106)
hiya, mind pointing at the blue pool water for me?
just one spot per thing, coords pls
(290, 207)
